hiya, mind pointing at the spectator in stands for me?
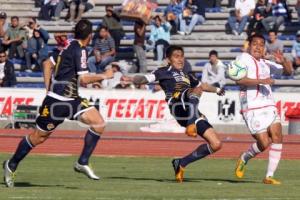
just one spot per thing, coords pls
(3, 26)
(15, 39)
(259, 14)
(280, 13)
(297, 7)
(159, 37)
(139, 46)
(104, 52)
(33, 25)
(213, 3)
(214, 71)
(62, 4)
(172, 12)
(37, 51)
(273, 45)
(194, 9)
(296, 54)
(7, 71)
(116, 80)
(231, 3)
(81, 6)
(112, 21)
(48, 9)
(274, 50)
(243, 12)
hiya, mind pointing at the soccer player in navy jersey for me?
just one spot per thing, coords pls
(183, 92)
(63, 73)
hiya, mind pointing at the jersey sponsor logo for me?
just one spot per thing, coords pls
(226, 110)
(83, 59)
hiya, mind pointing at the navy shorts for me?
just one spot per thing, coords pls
(53, 112)
(180, 109)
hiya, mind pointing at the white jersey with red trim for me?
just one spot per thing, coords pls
(259, 96)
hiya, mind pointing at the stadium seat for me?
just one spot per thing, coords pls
(238, 49)
(201, 63)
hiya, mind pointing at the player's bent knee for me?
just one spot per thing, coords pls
(202, 125)
(37, 137)
(263, 145)
(277, 139)
(98, 127)
(216, 145)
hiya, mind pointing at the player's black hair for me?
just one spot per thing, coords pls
(256, 35)
(83, 29)
(213, 52)
(173, 48)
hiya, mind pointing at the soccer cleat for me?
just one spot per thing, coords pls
(240, 168)
(178, 169)
(271, 180)
(8, 175)
(87, 170)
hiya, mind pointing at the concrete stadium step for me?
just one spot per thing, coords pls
(164, 2)
(199, 28)
(94, 14)
(117, 2)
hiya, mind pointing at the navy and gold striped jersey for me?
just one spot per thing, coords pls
(173, 81)
(69, 64)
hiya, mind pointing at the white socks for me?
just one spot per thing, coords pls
(274, 158)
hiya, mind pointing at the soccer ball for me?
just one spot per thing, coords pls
(236, 70)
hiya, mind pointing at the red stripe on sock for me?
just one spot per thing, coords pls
(278, 150)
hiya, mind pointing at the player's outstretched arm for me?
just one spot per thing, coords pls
(253, 82)
(137, 79)
(209, 88)
(285, 62)
(48, 69)
(91, 78)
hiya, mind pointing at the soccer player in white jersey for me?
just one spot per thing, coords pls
(258, 106)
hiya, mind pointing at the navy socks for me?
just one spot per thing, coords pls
(90, 142)
(23, 149)
(202, 151)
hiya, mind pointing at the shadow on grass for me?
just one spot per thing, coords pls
(185, 180)
(27, 184)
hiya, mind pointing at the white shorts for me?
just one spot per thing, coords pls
(259, 120)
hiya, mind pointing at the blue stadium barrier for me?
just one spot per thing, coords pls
(286, 37)
(213, 10)
(18, 61)
(238, 50)
(29, 74)
(200, 64)
(287, 50)
(125, 49)
(30, 85)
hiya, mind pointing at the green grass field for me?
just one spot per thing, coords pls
(50, 177)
